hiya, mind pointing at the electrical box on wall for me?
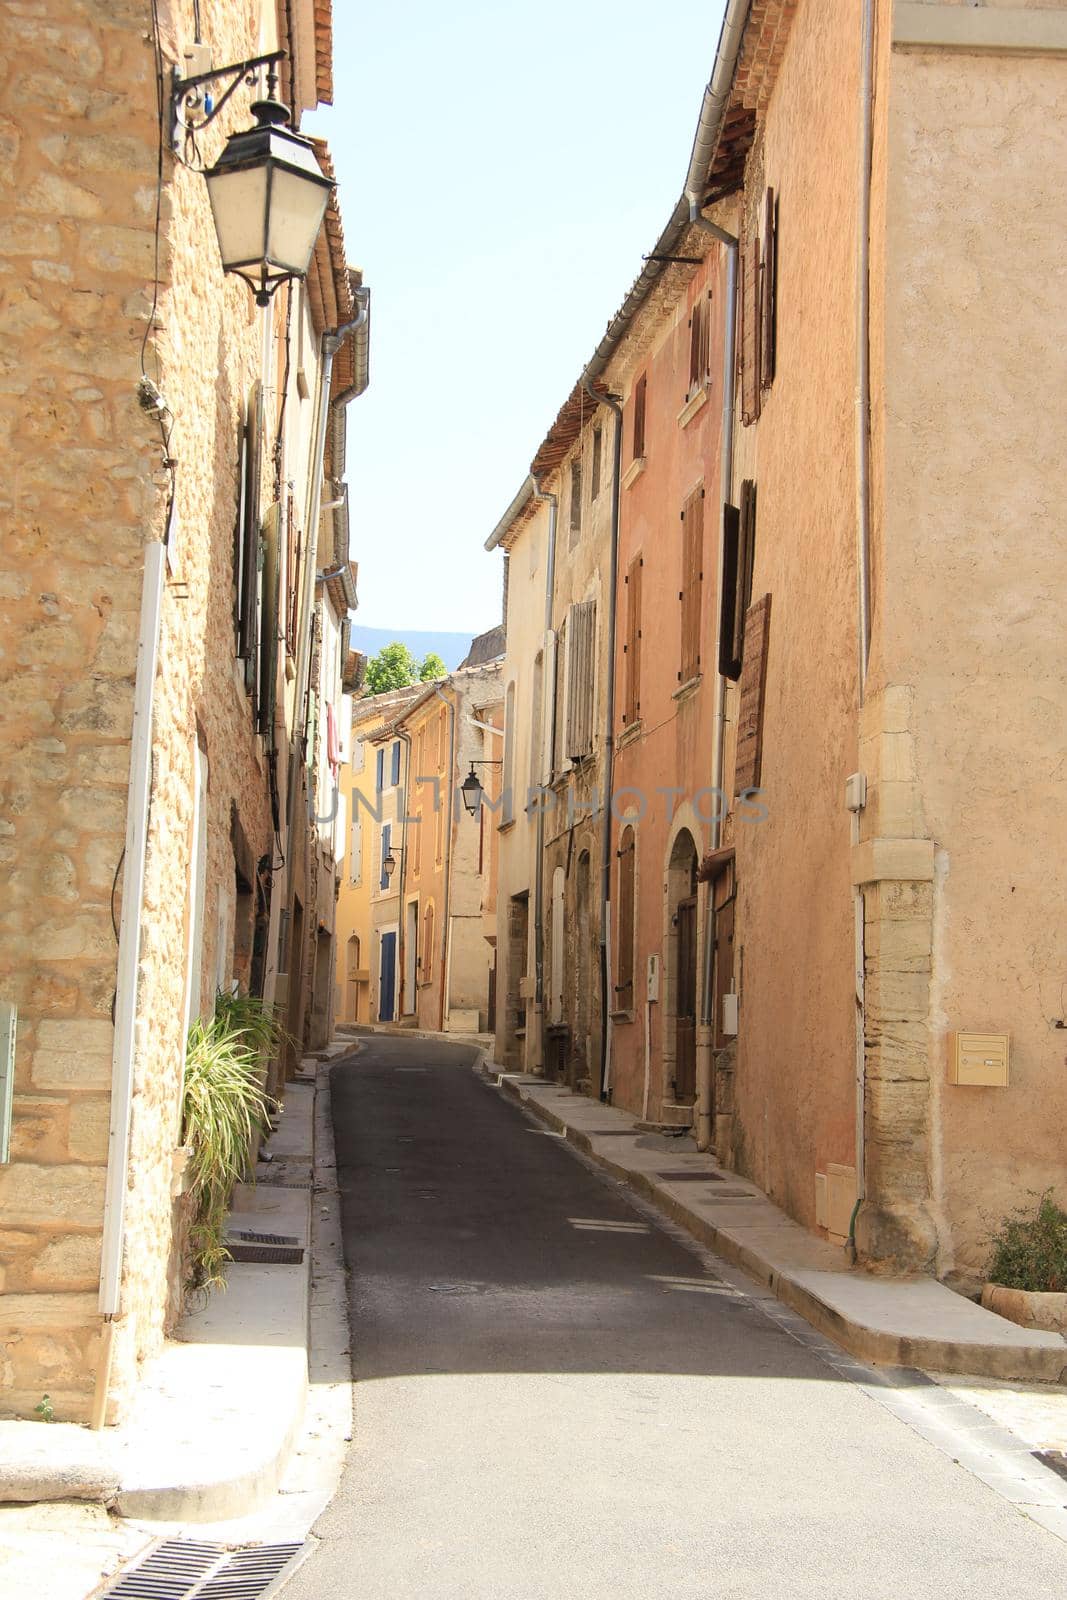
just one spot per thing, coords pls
(653, 977)
(979, 1059)
(729, 1014)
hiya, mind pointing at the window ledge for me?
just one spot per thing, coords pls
(634, 471)
(686, 690)
(505, 827)
(695, 403)
(624, 1016)
(629, 735)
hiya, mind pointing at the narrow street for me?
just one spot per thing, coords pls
(556, 1397)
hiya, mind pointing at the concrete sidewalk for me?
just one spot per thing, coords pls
(909, 1322)
(217, 1413)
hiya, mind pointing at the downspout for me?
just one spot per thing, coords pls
(548, 722)
(446, 958)
(613, 405)
(401, 943)
(863, 562)
(726, 473)
(129, 957)
(716, 97)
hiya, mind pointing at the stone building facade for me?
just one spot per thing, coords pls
(876, 1025)
(148, 718)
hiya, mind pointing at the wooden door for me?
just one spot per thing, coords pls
(685, 1058)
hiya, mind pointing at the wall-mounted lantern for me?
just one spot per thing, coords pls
(471, 788)
(268, 193)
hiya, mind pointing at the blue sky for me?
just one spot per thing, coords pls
(503, 167)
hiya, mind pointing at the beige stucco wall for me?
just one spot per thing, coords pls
(971, 576)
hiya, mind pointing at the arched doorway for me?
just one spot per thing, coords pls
(682, 966)
(352, 979)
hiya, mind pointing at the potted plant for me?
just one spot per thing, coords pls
(226, 1110)
(1028, 1268)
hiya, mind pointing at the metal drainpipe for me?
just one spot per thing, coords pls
(446, 955)
(548, 728)
(707, 1011)
(612, 403)
(863, 562)
(129, 956)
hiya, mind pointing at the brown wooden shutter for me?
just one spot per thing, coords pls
(748, 763)
(746, 559)
(692, 576)
(581, 645)
(632, 646)
(768, 291)
(729, 664)
(640, 391)
(624, 989)
(749, 283)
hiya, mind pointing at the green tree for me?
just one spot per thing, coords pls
(394, 667)
(432, 667)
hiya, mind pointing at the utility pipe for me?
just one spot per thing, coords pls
(707, 1004)
(612, 403)
(863, 561)
(446, 959)
(129, 956)
(547, 740)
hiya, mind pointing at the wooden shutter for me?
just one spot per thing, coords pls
(248, 540)
(739, 556)
(640, 392)
(692, 578)
(598, 446)
(696, 322)
(581, 646)
(729, 665)
(748, 289)
(624, 989)
(632, 647)
(292, 574)
(576, 500)
(559, 706)
(748, 762)
(769, 291)
(268, 649)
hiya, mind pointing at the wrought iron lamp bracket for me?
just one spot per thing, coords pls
(186, 99)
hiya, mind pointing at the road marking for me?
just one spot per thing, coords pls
(607, 1225)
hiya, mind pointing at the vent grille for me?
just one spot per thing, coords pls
(685, 1175)
(180, 1569)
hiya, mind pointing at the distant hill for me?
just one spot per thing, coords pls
(451, 647)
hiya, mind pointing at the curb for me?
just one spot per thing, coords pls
(1020, 1363)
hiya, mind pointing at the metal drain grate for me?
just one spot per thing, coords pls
(249, 1237)
(182, 1570)
(684, 1175)
(289, 1255)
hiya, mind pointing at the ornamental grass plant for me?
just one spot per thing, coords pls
(1030, 1250)
(225, 1110)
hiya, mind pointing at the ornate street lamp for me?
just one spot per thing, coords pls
(471, 787)
(389, 865)
(268, 193)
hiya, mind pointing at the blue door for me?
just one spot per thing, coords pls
(387, 978)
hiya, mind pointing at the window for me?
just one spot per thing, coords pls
(383, 876)
(738, 561)
(576, 499)
(598, 450)
(395, 770)
(355, 846)
(632, 646)
(381, 768)
(640, 392)
(757, 288)
(581, 679)
(699, 344)
(692, 584)
(624, 989)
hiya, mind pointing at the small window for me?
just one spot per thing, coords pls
(396, 762)
(632, 646)
(598, 450)
(699, 344)
(640, 393)
(381, 768)
(739, 555)
(576, 499)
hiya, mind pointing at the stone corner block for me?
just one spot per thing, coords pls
(878, 859)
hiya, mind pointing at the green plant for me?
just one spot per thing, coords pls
(44, 1409)
(1030, 1250)
(225, 1108)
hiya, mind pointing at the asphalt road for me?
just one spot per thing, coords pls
(556, 1397)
